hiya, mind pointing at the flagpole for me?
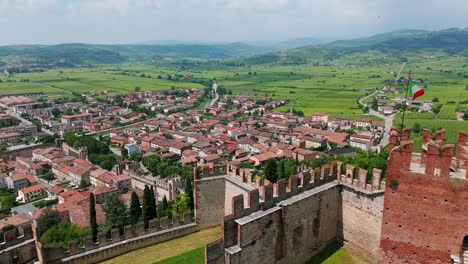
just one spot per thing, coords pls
(406, 99)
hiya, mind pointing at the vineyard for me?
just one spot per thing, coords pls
(417, 115)
(448, 111)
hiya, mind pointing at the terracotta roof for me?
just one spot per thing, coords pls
(16, 220)
(33, 188)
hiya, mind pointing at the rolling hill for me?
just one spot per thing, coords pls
(394, 44)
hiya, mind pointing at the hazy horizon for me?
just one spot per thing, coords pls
(214, 21)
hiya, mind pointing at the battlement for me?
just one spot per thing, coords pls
(429, 187)
(210, 170)
(157, 230)
(266, 196)
(16, 236)
(435, 159)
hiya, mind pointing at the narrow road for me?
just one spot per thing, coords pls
(387, 119)
(214, 100)
(51, 87)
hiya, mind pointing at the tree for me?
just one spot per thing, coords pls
(56, 112)
(124, 152)
(48, 219)
(92, 217)
(435, 100)
(146, 205)
(152, 203)
(135, 208)
(417, 128)
(137, 89)
(374, 104)
(181, 205)
(116, 212)
(83, 184)
(136, 156)
(62, 233)
(271, 171)
(189, 191)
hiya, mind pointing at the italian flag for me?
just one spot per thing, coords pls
(415, 91)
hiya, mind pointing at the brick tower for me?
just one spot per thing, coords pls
(425, 217)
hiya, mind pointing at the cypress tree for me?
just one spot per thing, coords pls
(153, 203)
(92, 217)
(189, 191)
(165, 206)
(146, 205)
(135, 209)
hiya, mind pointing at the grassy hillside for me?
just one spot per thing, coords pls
(391, 47)
(87, 54)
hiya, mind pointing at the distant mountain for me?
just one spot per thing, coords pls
(85, 54)
(394, 44)
(296, 43)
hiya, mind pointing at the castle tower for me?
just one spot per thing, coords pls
(424, 218)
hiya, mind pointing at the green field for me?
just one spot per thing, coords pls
(336, 254)
(452, 127)
(196, 256)
(85, 80)
(169, 249)
(332, 89)
(24, 87)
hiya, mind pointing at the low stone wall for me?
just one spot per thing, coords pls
(122, 247)
(134, 237)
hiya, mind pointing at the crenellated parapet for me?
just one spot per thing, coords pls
(210, 170)
(157, 227)
(266, 196)
(16, 235)
(436, 157)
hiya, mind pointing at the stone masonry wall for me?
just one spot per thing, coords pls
(361, 220)
(233, 189)
(18, 249)
(113, 250)
(291, 221)
(291, 232)
(209, 201)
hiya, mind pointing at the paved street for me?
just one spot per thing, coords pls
(387, 119)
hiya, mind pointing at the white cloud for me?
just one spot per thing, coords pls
(257, 3)
(25, 5)
(121, 6)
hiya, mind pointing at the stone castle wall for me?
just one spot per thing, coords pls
(159, 230)
(360, 220)
(18, 249)
(289, 222)
(209, 201)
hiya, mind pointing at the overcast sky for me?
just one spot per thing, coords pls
(134, 21)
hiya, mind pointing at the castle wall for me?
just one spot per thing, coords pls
(122, 247)
(209, 201)
(425, 217)
(24, 252)
(134, 237)
(291, 232)
(18, 249)
(360, 220)
(234, 188)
